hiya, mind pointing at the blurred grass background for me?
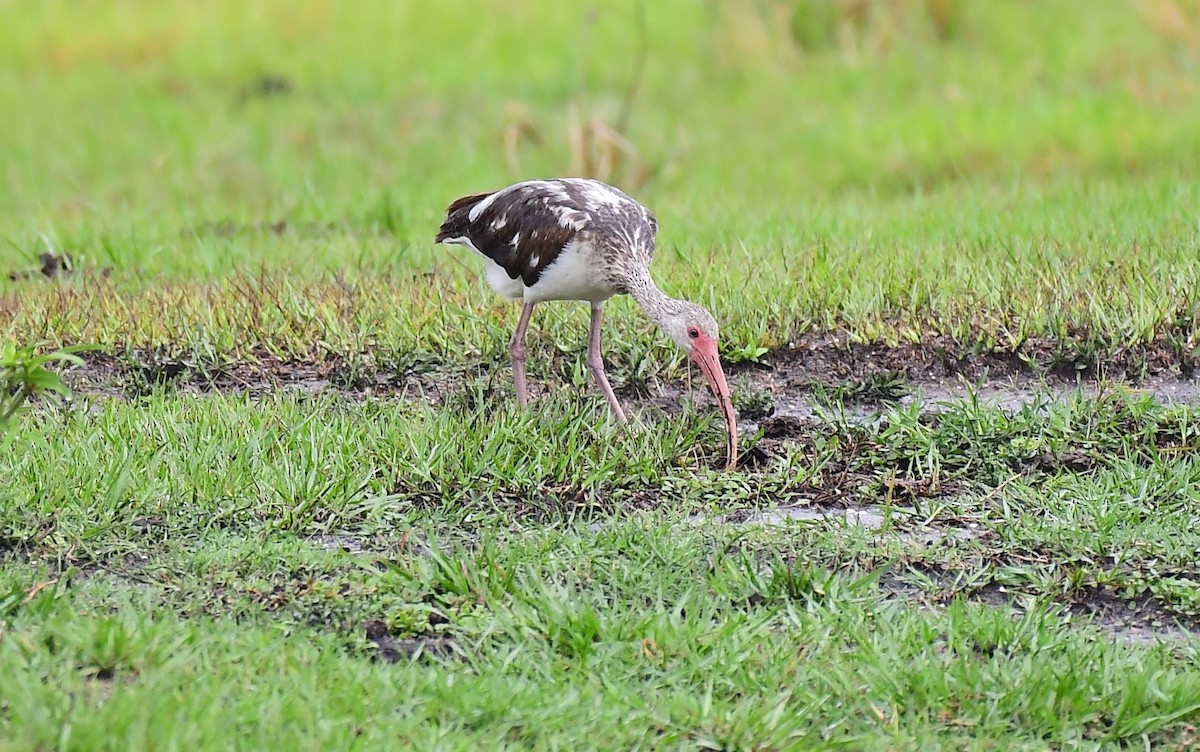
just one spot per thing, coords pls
(889, 166)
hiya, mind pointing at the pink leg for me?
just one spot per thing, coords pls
(596, 362)
(516, 348)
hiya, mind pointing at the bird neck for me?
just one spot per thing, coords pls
(658, 305)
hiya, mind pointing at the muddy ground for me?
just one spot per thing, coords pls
(782, 396)
(935, 370)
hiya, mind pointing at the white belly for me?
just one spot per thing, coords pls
(573, 276)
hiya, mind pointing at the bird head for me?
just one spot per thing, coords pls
(695, 330)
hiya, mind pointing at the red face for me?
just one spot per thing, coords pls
(704, 353)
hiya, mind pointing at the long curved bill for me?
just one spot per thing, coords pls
(704, 352)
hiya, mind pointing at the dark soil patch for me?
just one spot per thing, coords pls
(785, 382)
(853, 451)
(393, 649)
(53, 266)
(139, 373)
(1073, 461)
(833, 358)
(266, 86)
(1141, 618)
(785, 427)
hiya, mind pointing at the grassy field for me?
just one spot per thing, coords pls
(954, 249)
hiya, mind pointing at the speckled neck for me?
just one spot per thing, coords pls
(659, 306)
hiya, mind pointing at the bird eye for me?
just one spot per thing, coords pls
(693, 332)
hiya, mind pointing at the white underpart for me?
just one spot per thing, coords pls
(534, 261)
(575, 273)
(572, 276)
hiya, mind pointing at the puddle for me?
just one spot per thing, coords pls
(870, 518)
(1016, 394)
(1010, 395)
(1149, 636)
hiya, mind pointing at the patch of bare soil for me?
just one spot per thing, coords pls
(53, 266)
(794, 382)
(1137, 618)
(139, 373)
(937, 358)
(266, 86)
(393, 649)
(1142, 619)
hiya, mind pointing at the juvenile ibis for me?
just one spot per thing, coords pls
(580, 239)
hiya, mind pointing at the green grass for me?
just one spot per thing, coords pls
(173, 559)
(191, 561)
(694, 669)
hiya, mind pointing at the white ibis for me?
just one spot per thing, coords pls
(580, 239)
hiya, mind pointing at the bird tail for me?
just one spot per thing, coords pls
(458, 218)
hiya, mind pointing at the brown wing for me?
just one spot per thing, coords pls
(523, 228)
